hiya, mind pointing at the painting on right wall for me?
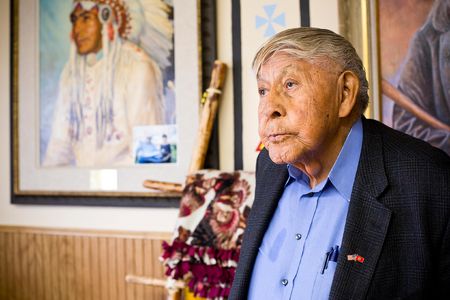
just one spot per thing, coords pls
(414, 68)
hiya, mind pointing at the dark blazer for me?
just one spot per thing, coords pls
(398, 220)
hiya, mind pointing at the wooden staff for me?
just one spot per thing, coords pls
(173, 287)
(210, 101)
(209, 112)
(163, 186)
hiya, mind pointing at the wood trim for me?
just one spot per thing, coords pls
(60, 263)
(87, 232)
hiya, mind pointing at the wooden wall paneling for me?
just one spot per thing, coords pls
(57, 269)
(103, 268)
(121, 284)
(9, 245)
(85, 277)
(38, 267)
(140, 267)
(5, 285)
(158, 268)
(94, 268)
(36, 264)
(78, 266)
(70, 260)
(45, 273)
(139, 262)
(55, 264)
(148, 268)
(112, 267)
(9, 278)
(3, 266)
(130, 267)
(24, 265)
(16, 267)
(61, 265)
(53, 253)
(12, 261)
(21, 279)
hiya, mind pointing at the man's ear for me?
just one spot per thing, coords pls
(349, 84)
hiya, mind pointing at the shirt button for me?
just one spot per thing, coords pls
(284, 282)
(298, 236)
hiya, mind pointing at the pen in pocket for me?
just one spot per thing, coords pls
(331, 255)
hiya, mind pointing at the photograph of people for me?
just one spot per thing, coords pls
(150, 152)
(112, 82)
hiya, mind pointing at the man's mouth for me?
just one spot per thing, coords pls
(278, 137)
(81, 40)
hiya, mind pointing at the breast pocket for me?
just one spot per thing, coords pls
(322, 283)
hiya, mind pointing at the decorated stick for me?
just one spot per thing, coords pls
(163, 186)
(209, 112)
(173, 287)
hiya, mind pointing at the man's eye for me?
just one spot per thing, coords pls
(262, 92)
(289, 84)
(73, 18)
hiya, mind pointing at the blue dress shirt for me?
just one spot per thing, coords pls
(298, 254)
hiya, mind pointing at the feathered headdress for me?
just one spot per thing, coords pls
(146, 23)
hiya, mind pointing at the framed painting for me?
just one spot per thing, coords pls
(405, 46)
(105, 94)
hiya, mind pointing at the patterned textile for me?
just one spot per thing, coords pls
(208, 235)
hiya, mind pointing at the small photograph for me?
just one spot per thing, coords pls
(155, 144)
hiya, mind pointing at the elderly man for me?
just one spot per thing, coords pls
(345, 207)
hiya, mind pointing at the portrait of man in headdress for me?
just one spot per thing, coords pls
(117, 74)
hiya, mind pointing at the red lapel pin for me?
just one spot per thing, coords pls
(355, 257)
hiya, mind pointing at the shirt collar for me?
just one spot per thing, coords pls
(343, 172)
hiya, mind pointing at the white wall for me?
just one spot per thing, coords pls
(114, 218)
(324, 14)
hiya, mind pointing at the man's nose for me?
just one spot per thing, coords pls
(77, 26)
(273, 106)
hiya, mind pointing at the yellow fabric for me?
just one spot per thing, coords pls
(188, 295)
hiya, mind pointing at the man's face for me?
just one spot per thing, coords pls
(86, 30)
(298, 109)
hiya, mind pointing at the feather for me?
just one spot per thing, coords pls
(152, 29)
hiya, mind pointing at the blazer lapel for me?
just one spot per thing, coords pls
(366, 225)
(267, 193)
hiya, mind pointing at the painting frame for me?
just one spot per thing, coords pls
(358, 23)
(204, 43)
